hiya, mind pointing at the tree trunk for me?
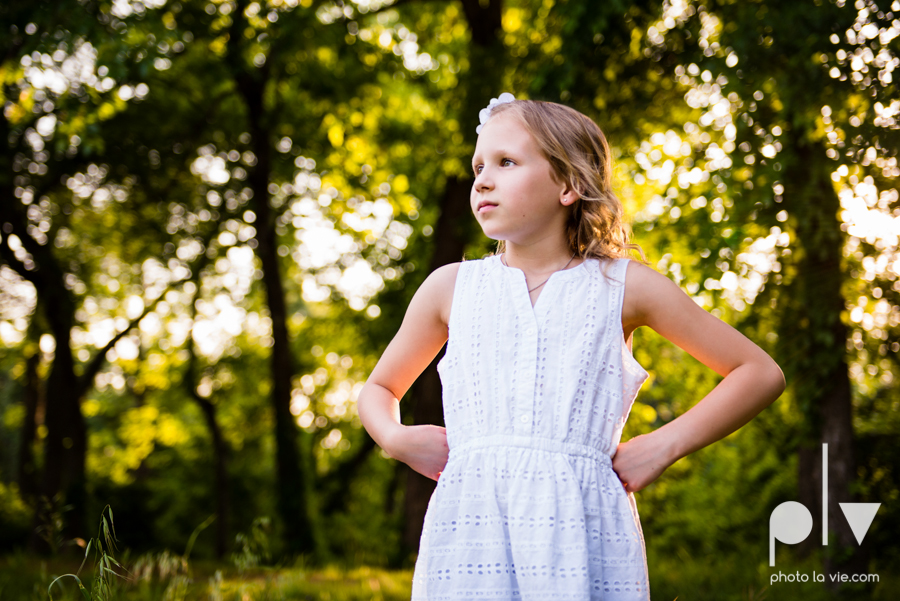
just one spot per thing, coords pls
(292, 471)
(222, 481)
(65, 445)
(817, 336)
(293, 497)
(26, 468)
(452, 230)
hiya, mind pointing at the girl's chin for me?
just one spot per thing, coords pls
(493, 235)
(492, 230)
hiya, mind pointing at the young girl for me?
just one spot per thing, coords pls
(535, 493)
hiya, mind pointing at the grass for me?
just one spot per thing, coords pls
(165, 577)
(101, 576)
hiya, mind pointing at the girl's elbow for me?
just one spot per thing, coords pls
(776, 379)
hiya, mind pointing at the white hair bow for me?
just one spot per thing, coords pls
(485, 113)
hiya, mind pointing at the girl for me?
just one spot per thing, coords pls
(535, 496)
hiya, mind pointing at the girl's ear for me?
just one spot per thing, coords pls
(569, 196)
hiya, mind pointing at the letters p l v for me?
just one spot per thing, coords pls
(791, 522)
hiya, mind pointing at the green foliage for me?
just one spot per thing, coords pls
(106, 567)
(142, 190)
(15, 515)
(52, 531)
(253, 548)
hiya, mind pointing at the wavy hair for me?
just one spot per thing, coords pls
(579, 156)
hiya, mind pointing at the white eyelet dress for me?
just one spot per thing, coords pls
(535, 398)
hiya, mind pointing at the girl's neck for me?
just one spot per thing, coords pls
(539, 259)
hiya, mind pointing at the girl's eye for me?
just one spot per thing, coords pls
(503, 163)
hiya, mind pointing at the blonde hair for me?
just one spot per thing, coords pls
(579, 155)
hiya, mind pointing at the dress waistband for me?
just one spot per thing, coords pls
(530, 442)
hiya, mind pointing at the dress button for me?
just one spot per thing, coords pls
(524, 419)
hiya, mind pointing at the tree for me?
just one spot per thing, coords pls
(37, 226)
(773, 78)
(234, 75)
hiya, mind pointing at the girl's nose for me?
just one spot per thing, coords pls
(482, 181)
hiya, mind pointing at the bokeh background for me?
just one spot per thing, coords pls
(213, 214)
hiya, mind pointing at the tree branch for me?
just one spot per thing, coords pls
(96, 362)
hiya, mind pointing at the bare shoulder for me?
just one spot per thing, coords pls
(421, 335)
(653, 300)
(645, 291)
(437, 290)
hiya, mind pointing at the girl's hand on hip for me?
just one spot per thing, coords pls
(423, 448)
(640, 461)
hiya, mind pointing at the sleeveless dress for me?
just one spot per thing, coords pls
(535, 398)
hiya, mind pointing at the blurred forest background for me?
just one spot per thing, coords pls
(214, 213)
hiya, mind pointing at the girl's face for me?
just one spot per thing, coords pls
(515, 196)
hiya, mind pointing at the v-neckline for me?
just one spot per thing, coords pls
(538, 304)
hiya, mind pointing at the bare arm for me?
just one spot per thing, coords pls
(752, 380)
(420, 337)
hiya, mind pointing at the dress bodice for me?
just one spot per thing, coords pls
(557, 370)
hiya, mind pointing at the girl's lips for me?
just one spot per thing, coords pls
(486, 207)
